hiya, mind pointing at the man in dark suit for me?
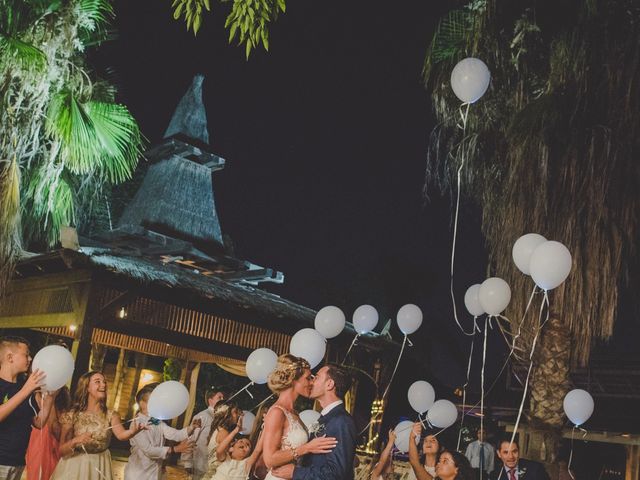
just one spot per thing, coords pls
(516, 468)
(329, 387)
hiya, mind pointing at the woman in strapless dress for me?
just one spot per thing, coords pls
(285, 437)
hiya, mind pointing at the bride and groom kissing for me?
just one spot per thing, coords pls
(327, 451)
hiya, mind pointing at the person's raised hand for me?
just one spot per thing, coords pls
(392, 436)
(416, 431)
(136, 427)
(35, 380)
(196, 423)
(320, 445)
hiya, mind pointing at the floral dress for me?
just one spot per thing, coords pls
(93, 460)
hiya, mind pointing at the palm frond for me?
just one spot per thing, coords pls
(21, 54)
(97, 138)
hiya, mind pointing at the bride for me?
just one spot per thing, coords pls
(285, 437)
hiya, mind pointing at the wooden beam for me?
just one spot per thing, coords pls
(84, 333)
(159, 334)
(54, 280)
(39, 320)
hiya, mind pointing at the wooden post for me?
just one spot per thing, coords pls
(633, 463)
(140, 360)
(183, 380)
(81, 348)
(193, 390)
(117, 382)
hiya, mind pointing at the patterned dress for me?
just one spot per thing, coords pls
(93, 461)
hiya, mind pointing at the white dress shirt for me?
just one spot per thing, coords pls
(198, 459)
(330, 407)
(473, 455)
(148, 450)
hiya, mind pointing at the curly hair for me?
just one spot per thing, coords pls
(223, 416)
(289, 369)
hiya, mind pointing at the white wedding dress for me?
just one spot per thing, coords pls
(295, 436)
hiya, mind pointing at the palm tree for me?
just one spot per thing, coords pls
(552, 149)
(62, 137)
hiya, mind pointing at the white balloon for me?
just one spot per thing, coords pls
(309, 417)
(472, 301)
(402, 435)
(248, 419)
(260, 363)
(409, 318)
(550, 264)
(442, 414)
(57, 363)
(470, 79)
(168, 400)
(421, 396)
(578, 405)
(365, 319)
(308, 344)
(494, 295)
(330, 321)
(523, 248)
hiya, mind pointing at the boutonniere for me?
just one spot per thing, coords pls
(317, 429)
(521, 471)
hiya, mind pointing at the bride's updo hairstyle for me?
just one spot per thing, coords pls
(289, 369)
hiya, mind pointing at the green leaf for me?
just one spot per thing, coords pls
(232, 32)
(265, 39)
(248, 48)
(23, 54)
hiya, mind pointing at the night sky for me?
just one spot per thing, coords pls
(325, 139)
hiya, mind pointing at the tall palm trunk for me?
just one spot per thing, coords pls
(549, 385)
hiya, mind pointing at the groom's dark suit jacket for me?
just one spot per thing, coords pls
(337, 465)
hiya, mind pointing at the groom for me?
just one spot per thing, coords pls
(329, 387)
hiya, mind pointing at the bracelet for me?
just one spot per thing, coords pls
(295, 454)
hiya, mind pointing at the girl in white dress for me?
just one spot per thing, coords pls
(235, 455)
(431, 449)
(225, 419)
(285, 437)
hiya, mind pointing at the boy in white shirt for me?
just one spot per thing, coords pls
(196, 461)
(147, 448)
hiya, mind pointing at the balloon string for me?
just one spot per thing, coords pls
(484, 360)
(464, 115)
(354, 342)
(242, 390)
(263, 402)
(386, 390)
(404, 342)
(464, 387)
(573, 431)
(123, 423)
(545, 301)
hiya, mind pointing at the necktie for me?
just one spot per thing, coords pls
(481, 462)
(512, 474)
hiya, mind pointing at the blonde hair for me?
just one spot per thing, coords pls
(289, 369)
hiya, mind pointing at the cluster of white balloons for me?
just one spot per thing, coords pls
(422, 398)
(547, 262)
(491, 296)
(57, 364)
(578, 406)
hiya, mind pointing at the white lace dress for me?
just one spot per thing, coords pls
(295, 436)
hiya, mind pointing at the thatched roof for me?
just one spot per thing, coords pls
(231, 299)
(190, 118)
(176, 199)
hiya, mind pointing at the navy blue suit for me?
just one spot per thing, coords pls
(337, 465)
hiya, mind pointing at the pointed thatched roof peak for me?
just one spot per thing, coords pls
(190, 118)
